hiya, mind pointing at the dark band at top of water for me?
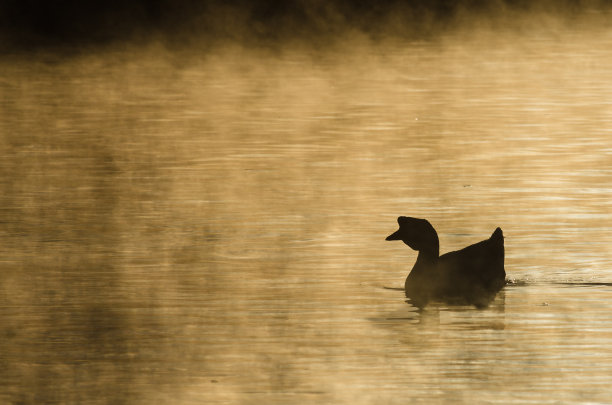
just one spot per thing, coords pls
(34, 24)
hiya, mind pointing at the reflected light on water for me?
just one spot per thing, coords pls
(212, 231)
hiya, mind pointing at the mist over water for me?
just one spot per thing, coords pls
(205, 223)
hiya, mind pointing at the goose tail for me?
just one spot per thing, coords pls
(497, 236)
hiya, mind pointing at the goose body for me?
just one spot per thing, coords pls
(472, 275)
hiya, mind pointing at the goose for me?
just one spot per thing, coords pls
(470, 276)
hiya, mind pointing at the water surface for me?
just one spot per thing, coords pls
(210, 229)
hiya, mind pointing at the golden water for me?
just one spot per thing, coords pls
(209, 228)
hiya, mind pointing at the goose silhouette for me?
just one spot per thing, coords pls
(471, 276)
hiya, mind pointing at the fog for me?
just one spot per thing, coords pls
(194, 200)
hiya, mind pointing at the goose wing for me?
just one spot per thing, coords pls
(480, 264)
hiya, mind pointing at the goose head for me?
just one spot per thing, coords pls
(418, 234)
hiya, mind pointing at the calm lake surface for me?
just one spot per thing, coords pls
(208, 227)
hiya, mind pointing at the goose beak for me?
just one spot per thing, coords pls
(394, 236)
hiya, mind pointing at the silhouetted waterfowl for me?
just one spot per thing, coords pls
(472, 275)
